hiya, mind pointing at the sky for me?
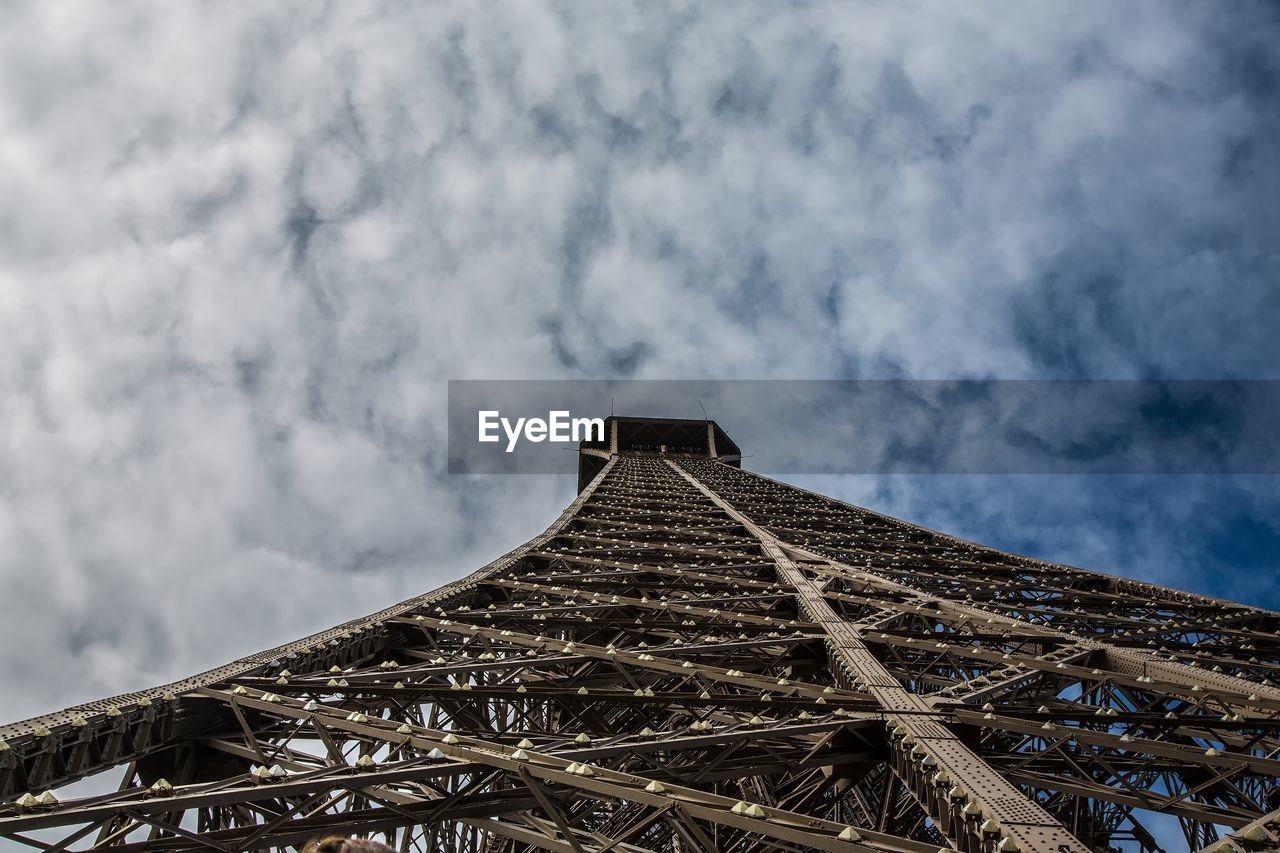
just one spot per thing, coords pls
(244, 246)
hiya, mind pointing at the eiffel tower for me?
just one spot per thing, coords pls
(698, 658)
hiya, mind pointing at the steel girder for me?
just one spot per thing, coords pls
(694, 657)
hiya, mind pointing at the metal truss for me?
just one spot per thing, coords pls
(698, 658)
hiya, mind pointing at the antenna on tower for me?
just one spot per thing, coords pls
(704, 411)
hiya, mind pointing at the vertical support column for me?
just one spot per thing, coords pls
(976, 807)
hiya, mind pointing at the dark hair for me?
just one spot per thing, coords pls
(338, 844)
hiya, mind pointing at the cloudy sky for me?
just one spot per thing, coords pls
(244, 245)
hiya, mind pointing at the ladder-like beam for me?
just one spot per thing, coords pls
(927, 755)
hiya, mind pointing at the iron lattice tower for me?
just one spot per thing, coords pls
(697, 658)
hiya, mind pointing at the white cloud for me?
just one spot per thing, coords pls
(242, 247)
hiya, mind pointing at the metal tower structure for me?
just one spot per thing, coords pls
(697, 658)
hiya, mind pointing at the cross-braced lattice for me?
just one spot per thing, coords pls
(697, 658)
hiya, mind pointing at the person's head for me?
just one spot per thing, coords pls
(338, 844)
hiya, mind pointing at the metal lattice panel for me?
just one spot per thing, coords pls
(694, 657)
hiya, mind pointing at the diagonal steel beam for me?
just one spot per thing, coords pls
(1030, 827)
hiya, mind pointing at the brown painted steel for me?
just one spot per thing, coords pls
(694, 657)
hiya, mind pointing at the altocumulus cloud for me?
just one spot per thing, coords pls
(243, 246)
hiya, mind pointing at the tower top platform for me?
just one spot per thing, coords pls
(675, 436)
